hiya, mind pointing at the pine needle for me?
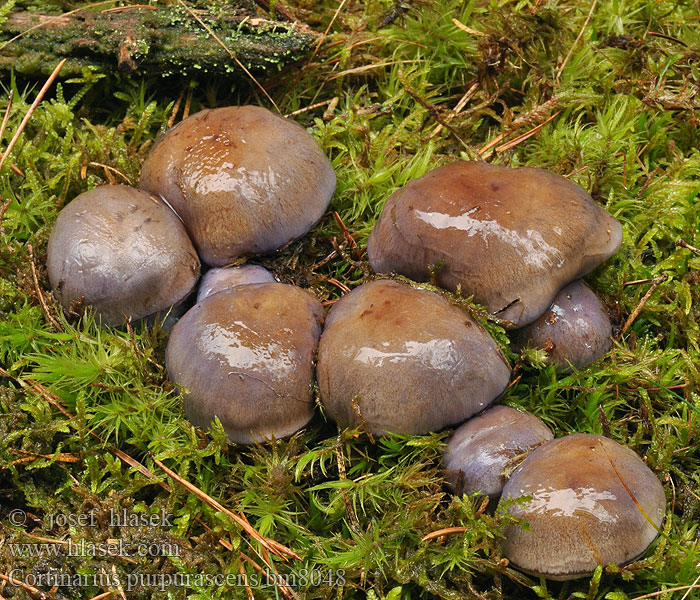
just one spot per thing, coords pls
(229, 52)
(31, 110)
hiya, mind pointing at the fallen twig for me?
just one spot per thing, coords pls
(468, 30)
(102, 596)
(109, 169)
(687, 246)
(680, 588)
(325, 33)
(30, 456)
(667, 37)
(655, 284)
(311, 107)
(457, 109)
(340, 285)
(638, 282)
(287, 591)
(35, 593)
(442, 532)
(583, 388)
(39, 293)
(526, 135)
(345, 230)
(275, 548)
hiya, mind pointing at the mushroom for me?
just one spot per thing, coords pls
(575, 331)
(245, 355)
(122, 250)
(512, 238)
(218, 279)
(403, 360)
(482, 449)
(243, 180)
(588, 500)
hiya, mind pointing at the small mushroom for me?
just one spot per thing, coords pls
(588, 500)
(223, 278)
(575, 331)
(244, 181)
(481, 450)
(404, 360)
(512, 238)
(122, 250)
(245, 355)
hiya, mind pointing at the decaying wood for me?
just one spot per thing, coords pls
(160, 40)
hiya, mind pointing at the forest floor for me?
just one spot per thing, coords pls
(603, 92)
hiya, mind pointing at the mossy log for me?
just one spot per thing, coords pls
(159, 40)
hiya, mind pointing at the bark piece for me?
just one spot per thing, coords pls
(154, 40)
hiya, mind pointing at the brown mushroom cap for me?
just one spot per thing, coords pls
(407, 359)
(246, 355)
(124, 251)
(480, 450)
(511, 237)
(592, 502)
(244, 180)
(218, 279)
(576, 330)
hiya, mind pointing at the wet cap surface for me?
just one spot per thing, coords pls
(408, 359)
(218, 279)
(246, 355)
(591, 502)
(575, 330)
(123, 250)
(511, 237)
(243, 180)
(480, 451)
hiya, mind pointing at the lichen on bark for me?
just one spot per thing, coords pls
(153, 40)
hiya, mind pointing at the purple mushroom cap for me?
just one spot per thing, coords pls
(575, 331)
(404, 360)
(481, 450)
(223, 278)
(246, 356)
(122, 250)
(512, 238)
(243, 180)
(588, 500)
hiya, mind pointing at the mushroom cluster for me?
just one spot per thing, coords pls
(391, 356)
(518, 241)
(236, 181)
